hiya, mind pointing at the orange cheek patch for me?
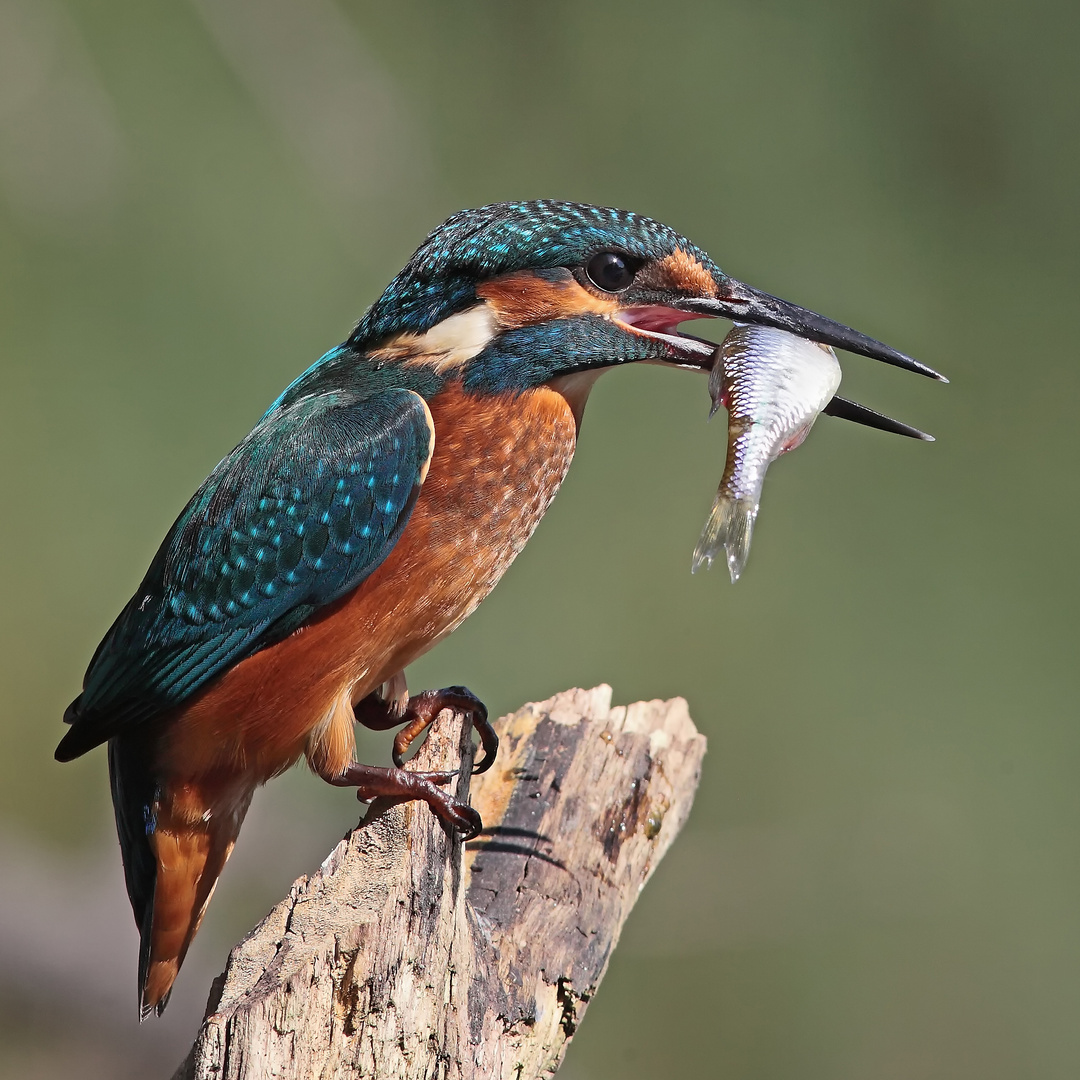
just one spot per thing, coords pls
(688, 274)
(523, 299)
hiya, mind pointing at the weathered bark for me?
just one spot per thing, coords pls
(407, 957)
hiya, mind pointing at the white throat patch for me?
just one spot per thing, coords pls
(448, 344)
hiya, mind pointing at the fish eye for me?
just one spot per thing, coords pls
(611, 271)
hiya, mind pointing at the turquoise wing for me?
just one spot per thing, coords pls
(298, 515)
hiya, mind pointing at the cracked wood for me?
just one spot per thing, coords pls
(406, 956)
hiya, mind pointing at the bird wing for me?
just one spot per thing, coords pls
(304, 509)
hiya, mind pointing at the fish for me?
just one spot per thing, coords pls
(774, 385)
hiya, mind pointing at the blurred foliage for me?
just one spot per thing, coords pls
(881, 875)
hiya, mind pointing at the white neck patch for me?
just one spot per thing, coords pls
(448, 344)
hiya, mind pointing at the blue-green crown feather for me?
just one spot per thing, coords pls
(476, 245)
(473, 246)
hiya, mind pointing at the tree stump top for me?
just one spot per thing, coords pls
(406, 956)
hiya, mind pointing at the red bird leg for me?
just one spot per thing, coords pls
(418, 713)
(373, 782)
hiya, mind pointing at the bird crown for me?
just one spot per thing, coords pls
(475, 245)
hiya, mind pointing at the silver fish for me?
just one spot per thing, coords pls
(773, 385)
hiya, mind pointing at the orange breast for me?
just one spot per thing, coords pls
(496, 466)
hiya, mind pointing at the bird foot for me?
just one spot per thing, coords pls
(419, 713)
(400, 785)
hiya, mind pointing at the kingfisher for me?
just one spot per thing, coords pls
(376, 503)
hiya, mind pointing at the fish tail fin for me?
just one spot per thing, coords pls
(731, 527)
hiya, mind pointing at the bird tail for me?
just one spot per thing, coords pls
(175, 839)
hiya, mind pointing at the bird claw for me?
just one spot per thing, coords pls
(426, 705)
(458, 816)
(489, 743)
(400, 785)
(452, 812)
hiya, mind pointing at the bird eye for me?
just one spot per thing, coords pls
(611, 271)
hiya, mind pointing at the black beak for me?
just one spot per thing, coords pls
(860, 414)
(744, 304)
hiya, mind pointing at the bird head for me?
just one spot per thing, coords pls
(512, 295)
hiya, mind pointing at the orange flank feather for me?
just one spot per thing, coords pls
(496, 466)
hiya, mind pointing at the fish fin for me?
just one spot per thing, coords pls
(731, 527)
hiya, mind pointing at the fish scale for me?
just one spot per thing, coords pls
(773, 385)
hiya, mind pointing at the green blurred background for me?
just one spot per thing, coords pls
(881, 875)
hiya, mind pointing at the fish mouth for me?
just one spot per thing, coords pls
(661, 323)
(745, 304)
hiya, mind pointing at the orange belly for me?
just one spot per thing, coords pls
(496, 466)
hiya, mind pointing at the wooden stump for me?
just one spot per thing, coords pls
(407, 957)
